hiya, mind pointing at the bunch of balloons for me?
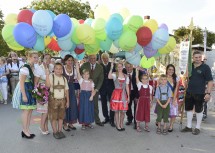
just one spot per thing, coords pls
(107, 32)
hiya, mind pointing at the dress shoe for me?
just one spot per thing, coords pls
(100, 124)
(112, 124)
(118, 129)
(25, 136)
(135, 126)
(122, 129)
(128, 123)
(105, 121)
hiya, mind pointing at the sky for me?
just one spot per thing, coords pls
(174, 13)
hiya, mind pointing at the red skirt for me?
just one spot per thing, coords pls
(143, 110)
(116, 103)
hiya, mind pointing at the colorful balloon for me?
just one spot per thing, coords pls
(74, 36)
(64, 53)
(169, 46)
(88, 21)
(127, 41)
(114, 28)
(134, 22)
(81, 21)
(42, 22)
(11, 19)
(65, 44)
(124, 12)
(152, 25)
(80, 56)
(92, 48)
(102, 11)
(106, 44)
(53, 45)
(118, 16)
(78, 50)
(159, 39)
(99, 28)
(148, 51)
(25, 35)
(62, 25)
(85, 34)
(40, 45)
(133, 58)
(113, 49)
(144, 36)
(25, 16)
(147, 62)
(163, 26)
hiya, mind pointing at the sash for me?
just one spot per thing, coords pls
(171, 87)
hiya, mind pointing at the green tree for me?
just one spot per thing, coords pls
(4, 48)
(72, 8)
(182, 33)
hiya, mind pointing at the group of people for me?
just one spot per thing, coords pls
(74, 91)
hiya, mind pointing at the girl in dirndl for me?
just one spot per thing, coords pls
(144, 101)
(22, 97)
(120, 96)
(86, 105)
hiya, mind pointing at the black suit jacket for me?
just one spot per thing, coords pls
(133, 81)
(108, 84)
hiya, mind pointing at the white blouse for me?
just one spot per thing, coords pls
(140, 84)
(114, 78)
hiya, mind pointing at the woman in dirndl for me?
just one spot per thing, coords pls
(120, 96)
(23, 97)
(40, 78)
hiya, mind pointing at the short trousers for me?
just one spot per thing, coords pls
(192, 100)
(56, 108)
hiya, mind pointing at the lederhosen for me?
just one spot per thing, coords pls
(163, 112)
(56, 108)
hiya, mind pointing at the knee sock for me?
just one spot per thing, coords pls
(189, 119)
(199, 119)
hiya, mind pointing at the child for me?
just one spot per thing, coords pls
(163, 95)
(58, 99)
(86, 112)
(143, 104)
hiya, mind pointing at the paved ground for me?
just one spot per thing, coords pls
(102, 139)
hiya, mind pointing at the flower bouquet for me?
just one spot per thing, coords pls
(41, 93)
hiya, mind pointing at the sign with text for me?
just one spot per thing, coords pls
(183, 56)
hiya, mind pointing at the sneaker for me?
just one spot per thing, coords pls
(196, 131)
(61, 134)
(56, 135)
(186, 129)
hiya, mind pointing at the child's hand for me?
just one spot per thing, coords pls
(91, 98)
(163, 106)
(128, 99)
(67, 105)
(25, 99)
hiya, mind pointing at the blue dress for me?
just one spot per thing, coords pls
(71, 112)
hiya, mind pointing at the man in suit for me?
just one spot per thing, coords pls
(97, 75)
(106, 90)
(130, 71)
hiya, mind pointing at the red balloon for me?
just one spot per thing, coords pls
(53, 45)
(78, 51)
(144, 36)
(25, 16)
(81, 21)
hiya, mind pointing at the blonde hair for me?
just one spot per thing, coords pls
(162, 76)
(105, 55)
(30, 53)
(85, 71)
(117, 64)
(3, 59)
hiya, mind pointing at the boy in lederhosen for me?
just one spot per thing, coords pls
(58, 99)
(163, 95)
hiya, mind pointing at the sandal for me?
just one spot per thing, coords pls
(158, 131)
(164, 131)
(146, 128)
(138, 129)
(66, 128)
(89, 126)
(170, 129)
(71, 127)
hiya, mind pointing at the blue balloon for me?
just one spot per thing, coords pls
(114, 28)
(80, 56)
(133, 58)
(159, 39)
(32, 10)
(62, 25)
(73, 54)
(73, 47)
(118, 16)
(25, 35)
(106, 44)
(42, 22)
(65, 44)
(137, 48)
(88, 21)
(40, 44)
(64, 53)
(52, 14)
(69, 35)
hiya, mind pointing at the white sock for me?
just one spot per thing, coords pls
(189, 119)
(199, 119)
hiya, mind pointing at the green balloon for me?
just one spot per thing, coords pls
(74, 22)
(74, 37)
(127, 40)
(147, 62)
(157, 54)
(134, 22)
(92, 48)
(16, 47)
(168, 47)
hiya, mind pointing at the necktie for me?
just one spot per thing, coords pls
(129, 75)
(92, 69)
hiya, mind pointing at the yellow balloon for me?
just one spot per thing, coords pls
(113, 49)
(170, 45)
(147, 62)
(47, 40)
(102, 11)
(152, 25)
(16, 47)
(11, 19)
(124, 12)
(85, 34)
(92, 48)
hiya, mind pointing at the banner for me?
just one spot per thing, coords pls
(183, 56)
